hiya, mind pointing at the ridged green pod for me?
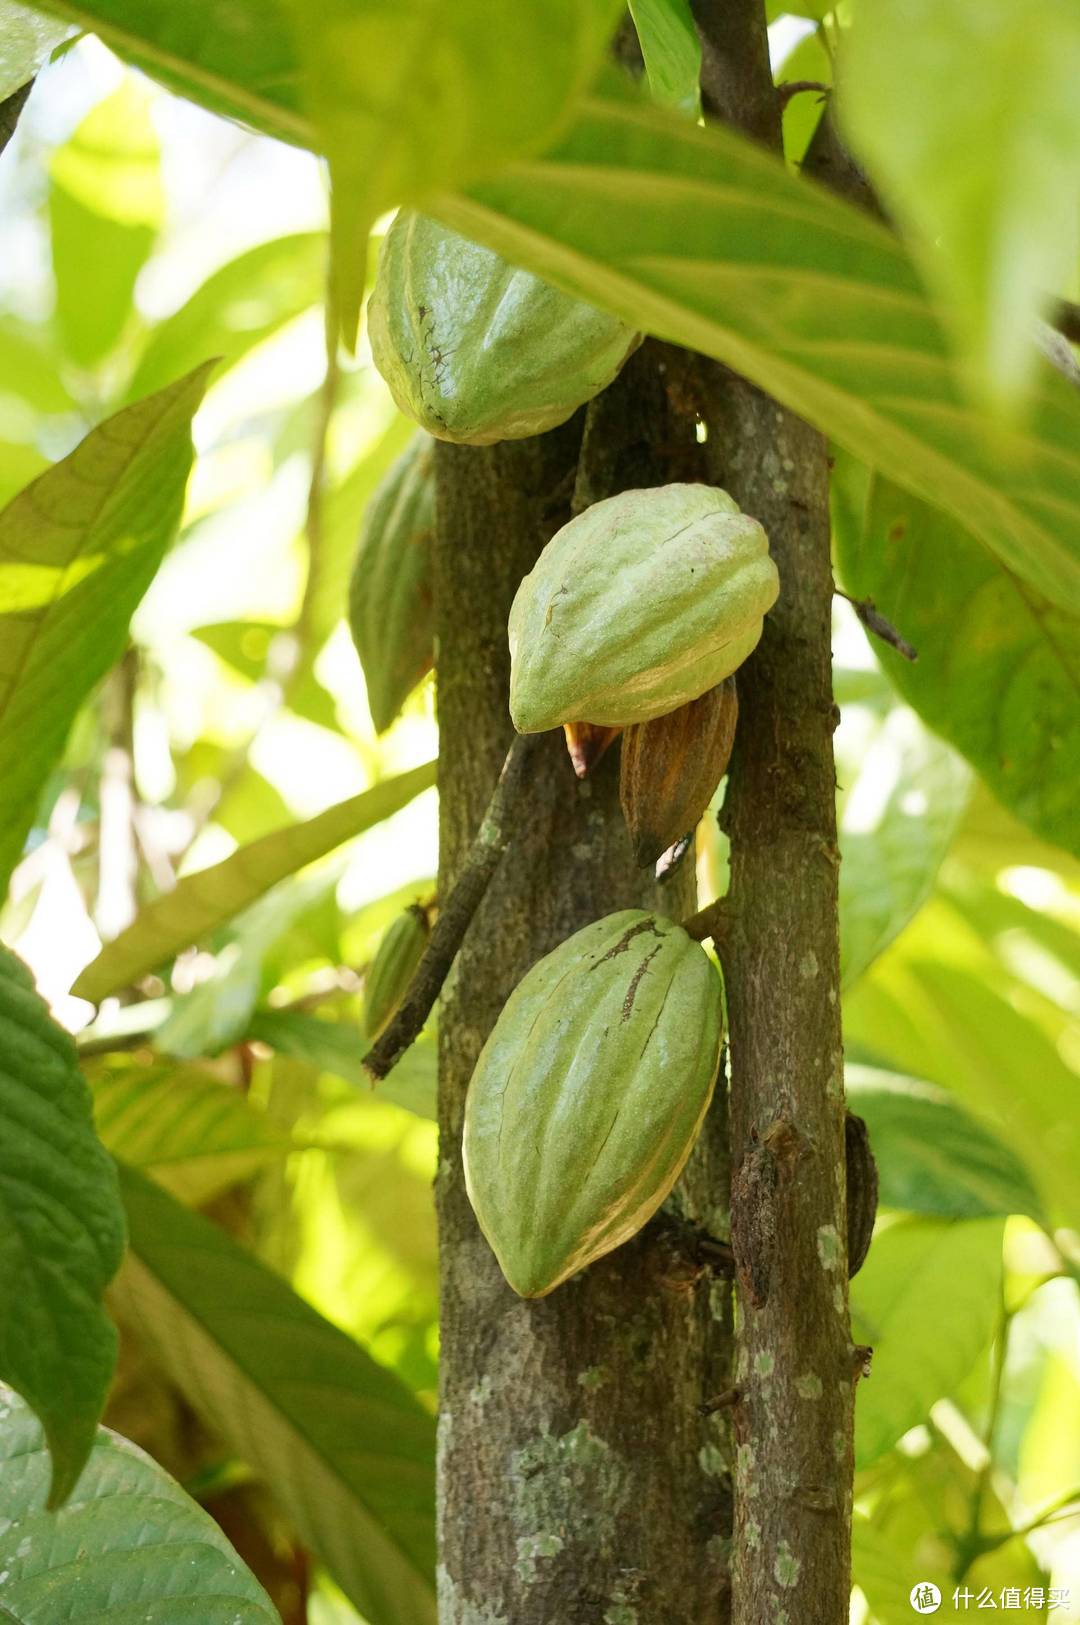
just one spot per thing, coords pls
(636, 607)
(396, 958)
(475, 350)
(589, 1094)
(391, 611)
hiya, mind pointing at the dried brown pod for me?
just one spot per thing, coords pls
(671, 767)
(587, 742)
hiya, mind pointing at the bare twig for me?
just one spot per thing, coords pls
(492, 839)
(876, 623)
(787, 88)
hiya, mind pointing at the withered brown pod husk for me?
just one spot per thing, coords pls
(671, 767)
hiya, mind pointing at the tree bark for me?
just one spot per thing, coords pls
(582, 1476)
(795, 1372)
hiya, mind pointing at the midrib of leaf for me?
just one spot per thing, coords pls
(293, 126)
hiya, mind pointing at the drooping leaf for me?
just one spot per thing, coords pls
(672, 52)
(237, 307)
(705, 239)
(925, 1300)
(932, 1156)
(349, 1451)
(106, 205)
(193, 1132)
(61, 1230)
(998, 673)
(78, 548)
(337, 1047)
(898, 813)
(202, 901)
(26, 38)
(977, 162)
(129, 1546)
(411, 98)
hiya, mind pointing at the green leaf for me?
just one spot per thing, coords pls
(26, 38)
(809, 61)
(61, 1230)
(703, 238)
(881, 1573)
(237, 307)
(235, 57)
(130, 1546)
(898, 814)
(106, 205)
(195, 1134)
(78, 548)
(926, 1301)
(998, 673)
(942, 1005)
(29, 367)
(413, 97)
(966, 115)
(348, 1450)
(672, 52)
(337, 1047)
(202, 901)
(932, 1156)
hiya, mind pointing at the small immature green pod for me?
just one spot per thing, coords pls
(391, 611)
(393, 968)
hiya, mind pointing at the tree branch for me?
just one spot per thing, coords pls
(492, 839)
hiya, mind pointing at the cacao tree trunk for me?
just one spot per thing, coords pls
(796, 1368)
(581, 1475)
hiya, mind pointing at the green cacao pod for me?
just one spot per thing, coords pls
(637, 606)
(589, 1094)
(393, 967)
(475, 350)
(391, 611)
(671, 766)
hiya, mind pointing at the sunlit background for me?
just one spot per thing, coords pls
(141, 235)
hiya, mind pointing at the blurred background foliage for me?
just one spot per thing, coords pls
(142, 236)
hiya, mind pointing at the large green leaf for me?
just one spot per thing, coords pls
(703, 237)
(130, 1546)
(902, 794)
(78, 548)
(192, 1131)
(998, 672)
(61, 1229)
(238, 306)
(337, 1047)
(706, 239)
(933, 1157)
(202, 901)
(348, 1451)
(106, 205)
(672, 51)
(926, 1301)
(966, 114)
(414, 96)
